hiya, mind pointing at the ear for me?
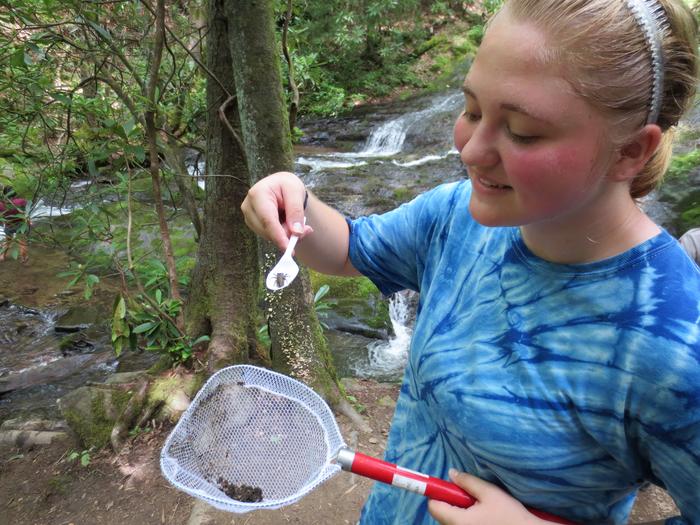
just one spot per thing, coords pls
(633, 156)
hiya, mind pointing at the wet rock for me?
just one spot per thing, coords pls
(77, 318)
(126, 377)
(75, 343)
(45, 425)
(26, 439)
(355, 327)
(41, 375)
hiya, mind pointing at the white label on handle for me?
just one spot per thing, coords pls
(407, 483)
(413, 472)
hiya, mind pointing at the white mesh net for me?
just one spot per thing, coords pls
(252, 439)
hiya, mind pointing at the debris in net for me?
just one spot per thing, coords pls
(241, 492)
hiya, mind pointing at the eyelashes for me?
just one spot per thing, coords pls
(473, 117)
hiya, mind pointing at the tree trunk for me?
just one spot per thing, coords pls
(298, 345)
(224, 287)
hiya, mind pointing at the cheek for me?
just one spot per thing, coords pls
(461, 133)
(552, 169)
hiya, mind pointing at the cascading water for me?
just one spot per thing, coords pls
(388, 358)
(27, 338)
(388, 139)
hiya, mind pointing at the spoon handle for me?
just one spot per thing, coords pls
(290, 247)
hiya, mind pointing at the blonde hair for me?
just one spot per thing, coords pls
(606, 58)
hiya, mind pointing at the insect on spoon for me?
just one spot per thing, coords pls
(286, 270)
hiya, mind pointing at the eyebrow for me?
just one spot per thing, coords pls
(507, 106)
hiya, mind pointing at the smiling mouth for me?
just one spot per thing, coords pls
(489, 184)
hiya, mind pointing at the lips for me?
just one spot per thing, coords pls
(493, 185)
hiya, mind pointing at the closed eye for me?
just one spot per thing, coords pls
(522, 139)
(470, 116)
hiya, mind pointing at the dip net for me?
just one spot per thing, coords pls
(252, 439)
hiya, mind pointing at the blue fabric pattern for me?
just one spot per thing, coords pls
(571, 386)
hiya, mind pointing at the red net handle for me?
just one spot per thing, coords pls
(433, 488)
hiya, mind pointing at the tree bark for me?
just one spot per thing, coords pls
(224, 286)
(298, 345)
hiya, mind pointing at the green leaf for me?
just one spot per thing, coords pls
(61, 97)
(118, 346)
(101, 30)
(128, 127)
(17, 59)
(119, 308)
(200, 339)
(322, 291)
(145, 327)
(92, 168)
(92, 279)
(159, 296)
(139, 152)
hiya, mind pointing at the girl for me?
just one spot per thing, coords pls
(556, 352)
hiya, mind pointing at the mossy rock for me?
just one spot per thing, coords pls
(355, 299)
(91, 412)
(175, 391)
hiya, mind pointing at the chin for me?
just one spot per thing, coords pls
(489, 216)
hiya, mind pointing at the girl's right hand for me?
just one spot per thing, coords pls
(274, 208)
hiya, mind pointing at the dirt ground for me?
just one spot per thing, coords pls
(42, 486)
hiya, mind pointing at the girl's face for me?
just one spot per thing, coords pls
(535, 151)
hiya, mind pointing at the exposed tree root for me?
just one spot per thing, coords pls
(345, 408)
(132, 410)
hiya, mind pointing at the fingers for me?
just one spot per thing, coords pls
(265, 202)
(444, 513)
(494, 505)
(448, 514)
(293, 201)
(477, 487)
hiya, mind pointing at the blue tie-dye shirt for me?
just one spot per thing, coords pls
(570, 386)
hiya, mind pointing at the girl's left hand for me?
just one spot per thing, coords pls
(494, 506)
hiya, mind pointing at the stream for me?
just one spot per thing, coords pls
(366, 162)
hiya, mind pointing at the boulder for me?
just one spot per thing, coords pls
(92, 411)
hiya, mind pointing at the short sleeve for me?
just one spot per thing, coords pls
(391, 248)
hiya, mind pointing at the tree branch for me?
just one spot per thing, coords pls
(294, 104)
(189, 52)
(224, 119)
(128, 102)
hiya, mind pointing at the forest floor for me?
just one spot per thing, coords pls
(42, 486)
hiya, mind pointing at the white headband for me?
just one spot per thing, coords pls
(651, 17)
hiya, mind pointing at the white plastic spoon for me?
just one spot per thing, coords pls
(286, 269)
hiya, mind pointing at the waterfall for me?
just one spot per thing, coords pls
(388, 139)
(388, 358)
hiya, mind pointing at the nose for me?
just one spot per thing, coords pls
(480, 149)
